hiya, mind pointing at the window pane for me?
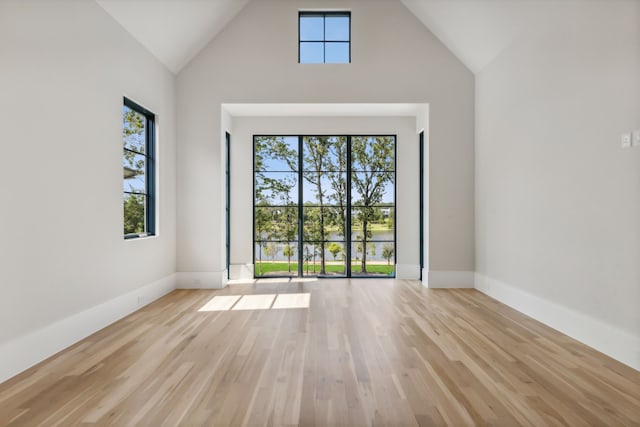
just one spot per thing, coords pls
(368, 259)
(276, 188)
(337, 28)
(314, 263)
(133, 130)
(325, 189)
(312, 53)
(336, 53)
(276, 224)
(378, 221)
(134, 213)
(335, 262)
(134, 166)
(372, 188)
(311, 28)
(324, 153)
(373, 153)
(276, 259)
(321, 224)
(311, 259)
(276, 153)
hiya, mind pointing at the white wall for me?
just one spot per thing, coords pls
(394, 59)
(557, 199)
(64, 68)
(406, 176)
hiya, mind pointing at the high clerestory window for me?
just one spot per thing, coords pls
(138, 164)
(324, 38)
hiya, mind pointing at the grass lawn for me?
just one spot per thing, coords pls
(281, 268)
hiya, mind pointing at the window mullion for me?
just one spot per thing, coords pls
(300, 207)
(347, 238)
(324, 39)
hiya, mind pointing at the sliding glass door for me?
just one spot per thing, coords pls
(324, 206)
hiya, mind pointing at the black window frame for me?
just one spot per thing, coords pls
(421, 198)
(227, 175)
(324, 41)
(349, 241)
(150, 170)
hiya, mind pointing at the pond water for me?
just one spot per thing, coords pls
(375, 247)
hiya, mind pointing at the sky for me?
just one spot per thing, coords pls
(324, 40)
(135, 142)
(279, 170)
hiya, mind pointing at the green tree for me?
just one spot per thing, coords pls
(373, 165)
(271, 250)
(307, 257)
(262, 230)
(289, 251)
(387, 253)
(133, 165)
(316, 162)
(273, 223)
(337, 165)
(335, 249)
(133, 213)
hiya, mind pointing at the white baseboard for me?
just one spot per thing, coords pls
(23, 352)
(408, 271)
(604, 337)
(449, 279)
(241, 271)
(201, 280)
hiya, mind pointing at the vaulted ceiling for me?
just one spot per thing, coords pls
(476, 31)
(174, 31)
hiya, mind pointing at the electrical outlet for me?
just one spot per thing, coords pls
(635, 138)
(625, 140)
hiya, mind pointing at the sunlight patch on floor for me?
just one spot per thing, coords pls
(254, 302)
(257, 302)
(292, 301)
(220, 303)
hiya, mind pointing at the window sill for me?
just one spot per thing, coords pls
(141, 236)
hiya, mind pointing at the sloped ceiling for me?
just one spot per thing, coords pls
(476, 31)
(174, 31)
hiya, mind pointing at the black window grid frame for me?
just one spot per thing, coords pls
(150, 170)
(227, 136)
(324, 41)
(348, 242)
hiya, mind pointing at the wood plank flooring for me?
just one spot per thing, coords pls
(365, 352)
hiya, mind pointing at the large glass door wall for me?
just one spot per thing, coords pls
(324, 206)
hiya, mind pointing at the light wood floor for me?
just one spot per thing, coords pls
(367, 352)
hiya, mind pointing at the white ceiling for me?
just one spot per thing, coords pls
(476, 31)
(174, 31)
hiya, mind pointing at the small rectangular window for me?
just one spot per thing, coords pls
(324, 38)
(138, 133)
